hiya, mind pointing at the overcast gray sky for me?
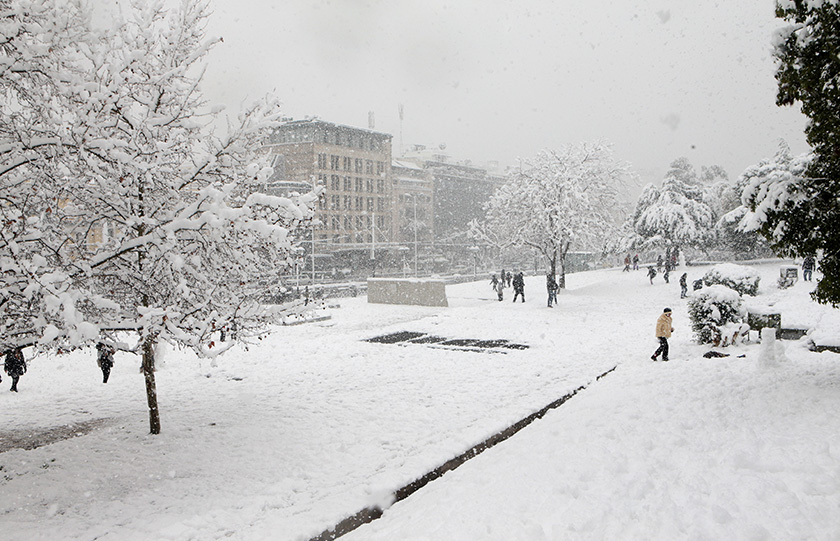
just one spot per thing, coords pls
(498, 80)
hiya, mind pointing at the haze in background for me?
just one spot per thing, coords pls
(498, 80)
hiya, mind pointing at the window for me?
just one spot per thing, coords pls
(322, 161)
(380, 221)
(347, 202)
(348, 163)
(359, 204)
(335, 183)
(369, 167)
(370, 204)
(335, 202)
(348, 222)
(380, 186)
(348, 184)
(369, 185)
(380, 168)
(359, 165)
(380, 204)
(359, 184)
(360, 224)
(336, 222)
(335, 161)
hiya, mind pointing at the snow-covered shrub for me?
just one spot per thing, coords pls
(711, 310)
(742, 279)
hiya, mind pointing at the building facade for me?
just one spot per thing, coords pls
(353, 165)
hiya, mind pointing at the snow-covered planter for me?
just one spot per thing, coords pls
(716, 312)
(742, 279)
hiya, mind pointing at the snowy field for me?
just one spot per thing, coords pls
(286, 439)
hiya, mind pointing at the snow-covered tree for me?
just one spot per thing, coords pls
(557, 200)
(155, 225)
(40, 82)
(798, 212)
(677, 213)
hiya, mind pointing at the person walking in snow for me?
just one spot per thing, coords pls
(636, 262)
(499, 288)
(626, 264)
(664, 329)
(651, 273)
(508, 278)
(493, 281)
(504, 277)
(105, 359)
(808, 268)
(15, 366)
(683, 285)
(551, 286)
(519, 286)
(659, 263)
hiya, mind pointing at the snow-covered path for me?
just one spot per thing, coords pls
(288, 438)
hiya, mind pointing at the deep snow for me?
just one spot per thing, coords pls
(284, 440)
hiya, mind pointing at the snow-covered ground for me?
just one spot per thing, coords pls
(286, 439)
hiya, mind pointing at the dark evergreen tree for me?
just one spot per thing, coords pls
(804, 218)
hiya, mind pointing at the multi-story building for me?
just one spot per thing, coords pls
(460, 191)
(353, 165)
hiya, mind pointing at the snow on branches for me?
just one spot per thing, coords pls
(558, 199)
(123, 208)
(678, 213)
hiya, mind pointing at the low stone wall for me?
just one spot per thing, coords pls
(418, 291)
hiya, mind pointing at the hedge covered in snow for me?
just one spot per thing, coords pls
(742, 279)
(716, 312)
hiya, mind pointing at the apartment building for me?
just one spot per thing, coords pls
(354, 166)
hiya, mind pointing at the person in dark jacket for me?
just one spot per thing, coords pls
(105, 359)
(808, 265)
(651, 273)
(15, 366)
(683, 285)
(519, 286)
(551, 286)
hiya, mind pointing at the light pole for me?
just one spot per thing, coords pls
(414, 197)
(474, 250)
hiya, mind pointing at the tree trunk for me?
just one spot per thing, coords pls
(151, 389)
(561, 278)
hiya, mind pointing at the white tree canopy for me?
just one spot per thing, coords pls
(123, 209)
(677, 213)
(558, 199)
(772, 185)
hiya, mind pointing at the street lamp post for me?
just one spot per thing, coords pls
(414, 197)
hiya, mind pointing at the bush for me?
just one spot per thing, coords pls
(713, 310)
(742, 279)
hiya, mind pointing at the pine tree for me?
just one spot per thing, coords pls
(677, 213)
(801, 218)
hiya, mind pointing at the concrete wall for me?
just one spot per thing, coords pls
(418, 291)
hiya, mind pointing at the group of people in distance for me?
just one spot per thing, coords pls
(14, 363)
(507, 280)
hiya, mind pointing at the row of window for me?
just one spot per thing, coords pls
(350, 184)
(338, 222)
(346, 202)
(346, 163)
(342, 138)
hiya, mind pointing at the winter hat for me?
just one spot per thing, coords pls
(667, 310)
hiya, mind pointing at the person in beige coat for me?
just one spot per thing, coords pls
(664, 329)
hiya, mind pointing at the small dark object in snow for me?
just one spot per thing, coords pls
(741, 356)
(710, 354)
